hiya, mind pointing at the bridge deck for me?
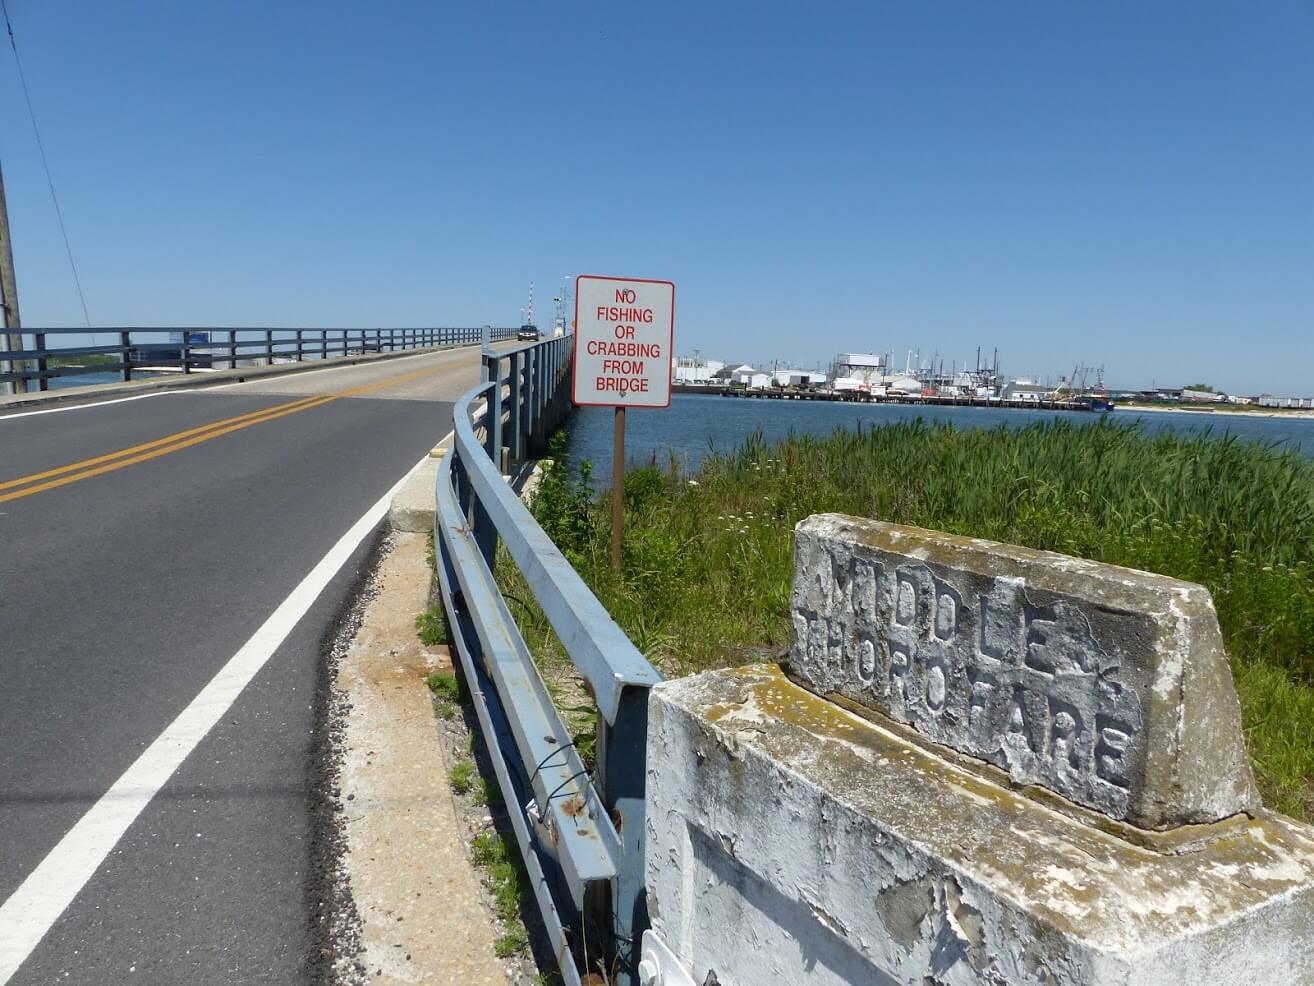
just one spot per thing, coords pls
(128, 583)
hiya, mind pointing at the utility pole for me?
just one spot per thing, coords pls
(13, 341)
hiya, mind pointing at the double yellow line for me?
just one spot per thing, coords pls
(74, 472)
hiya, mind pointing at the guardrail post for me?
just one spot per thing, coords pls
(514, 438)
(269, 347)
(232, 349)
(299, 351)
(538, 434)
(493, 422)
(485, 535)
(531, 386)
(39, 338)
(620, 779)
(125, 345)
(460, 484)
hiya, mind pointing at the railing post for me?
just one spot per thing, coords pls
(531, 386)
(125, 344)
(493, 429)
(461, 484)
(323, 344)
(40, 339)
(299, 351)
(485, 535)
(620, 777)
(538, 438)
(516, 384)
(232, 349)
(269, 347)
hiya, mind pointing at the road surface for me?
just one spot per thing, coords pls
(170, 568)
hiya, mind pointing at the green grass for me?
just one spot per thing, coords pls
(509, 885)
(513, 942)
(461, 776)
(446, 685)
(709, 556)
(487, 792)
(500, 858)
(448, 693)
(431, 625)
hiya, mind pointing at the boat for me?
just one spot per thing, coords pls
(1091, 402)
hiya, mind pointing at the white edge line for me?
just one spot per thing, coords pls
(86, 407)
(32, 909)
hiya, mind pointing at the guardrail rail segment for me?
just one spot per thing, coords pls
(186, 350)
(581, 836)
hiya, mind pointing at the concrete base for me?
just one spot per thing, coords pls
(792, 841)
(412, 505)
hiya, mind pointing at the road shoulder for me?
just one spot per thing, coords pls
(419, 908)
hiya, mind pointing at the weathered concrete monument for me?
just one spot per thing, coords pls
(1107, 686)
(984, 764)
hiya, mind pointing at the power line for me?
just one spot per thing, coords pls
(59, 213)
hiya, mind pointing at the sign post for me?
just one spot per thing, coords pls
(617, 488)
(624, 334)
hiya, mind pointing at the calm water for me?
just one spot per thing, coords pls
(87, 379)
(695, 423)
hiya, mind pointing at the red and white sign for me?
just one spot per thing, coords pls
(624, 334)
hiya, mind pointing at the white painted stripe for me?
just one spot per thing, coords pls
(37, 904)
(84, 407)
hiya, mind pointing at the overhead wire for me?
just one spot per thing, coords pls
(45, 164)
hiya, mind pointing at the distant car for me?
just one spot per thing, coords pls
(529, 332)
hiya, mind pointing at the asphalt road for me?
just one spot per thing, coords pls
(126, 584)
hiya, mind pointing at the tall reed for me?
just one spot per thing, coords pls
(709, 555)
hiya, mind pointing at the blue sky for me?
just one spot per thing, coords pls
(1121, 183)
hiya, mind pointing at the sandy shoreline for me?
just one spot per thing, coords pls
(1212, 413)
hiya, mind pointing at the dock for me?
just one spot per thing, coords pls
(856, 397)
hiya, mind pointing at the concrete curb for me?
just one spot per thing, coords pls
(412, 508)
(415, 889)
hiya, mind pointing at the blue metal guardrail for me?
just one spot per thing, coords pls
(199, 348)
(581, 836)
